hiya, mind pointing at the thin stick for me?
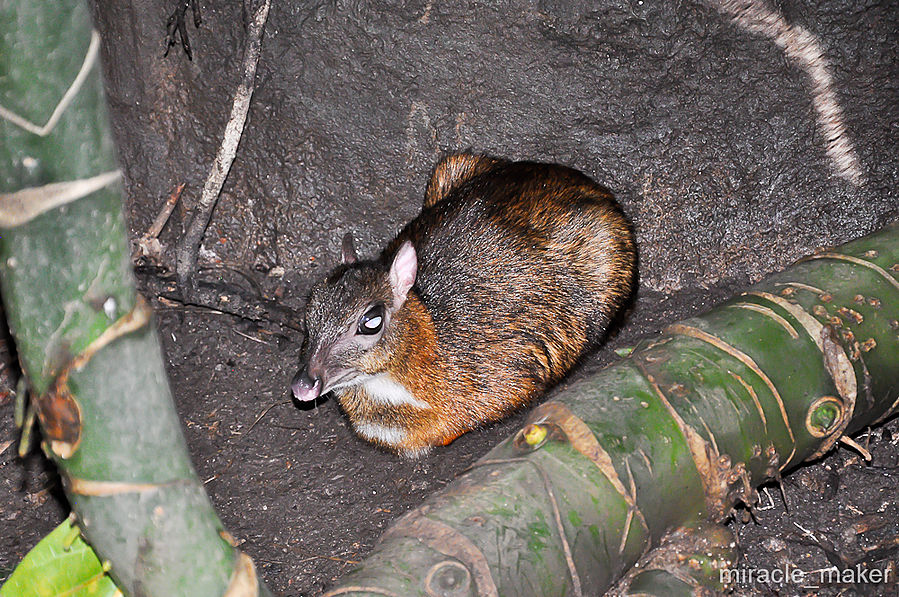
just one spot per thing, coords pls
(859, 448)
(189, 247)
(249, 337)
(312, 555)
(163, 217)
(263, 413)
(148, 244)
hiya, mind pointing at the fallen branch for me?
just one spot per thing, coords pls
(189, 246)
(148, 244)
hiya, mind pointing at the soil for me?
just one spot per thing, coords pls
(307, 499)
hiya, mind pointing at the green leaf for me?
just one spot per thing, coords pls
(60, 565)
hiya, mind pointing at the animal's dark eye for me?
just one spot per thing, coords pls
(372, 320)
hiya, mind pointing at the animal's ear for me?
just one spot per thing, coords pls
(347, 249)
(453, 171)
(402, 273)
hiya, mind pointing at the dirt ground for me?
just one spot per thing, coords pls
(307, 498)
(704, 130)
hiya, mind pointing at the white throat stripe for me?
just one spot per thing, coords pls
(385, 390)
(391, 436)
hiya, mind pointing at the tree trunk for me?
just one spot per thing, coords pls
(85, 339)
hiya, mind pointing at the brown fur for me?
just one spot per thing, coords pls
(521, 267)
(451, 172)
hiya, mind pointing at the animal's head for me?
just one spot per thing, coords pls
(349, 321)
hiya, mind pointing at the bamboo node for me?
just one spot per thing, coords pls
(448, 541)
(57, 409)
(60, 416)
(534, 435)
(823, 416)
(448, 579)
(839, 366)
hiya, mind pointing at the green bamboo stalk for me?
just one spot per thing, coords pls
(85, 340)
(679, 431)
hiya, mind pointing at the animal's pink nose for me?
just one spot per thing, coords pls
(304, 387)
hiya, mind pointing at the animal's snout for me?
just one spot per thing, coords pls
(305, 387)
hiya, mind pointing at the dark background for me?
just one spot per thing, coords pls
(706, 134)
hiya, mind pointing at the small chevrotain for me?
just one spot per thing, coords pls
(509, 274)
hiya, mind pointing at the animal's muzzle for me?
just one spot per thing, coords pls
(305, 388)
